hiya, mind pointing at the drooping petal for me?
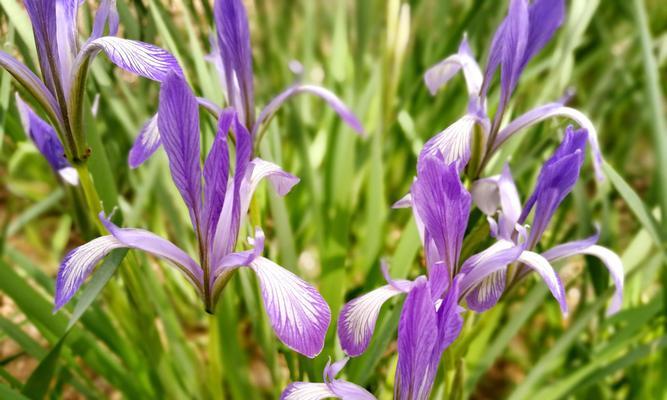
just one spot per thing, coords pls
(146, 143)
(298, 313)
(540, 265)
(43, 16)
(484, 280)
(357, 319)
(443, 204)
(216, 173)
(231, 22)
(417, 337)
(557, 178)
(347, 390)
(307, 391)
(78, 264)
(331, 99)
(550, 110)
(139, 58)
(260, 169)
(47, 142)
(438, 75)
(151, 243)
(609, 258)
(178, 122)
(453, 143)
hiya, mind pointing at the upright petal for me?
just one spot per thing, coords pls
(609, 258)
(231, 22)
(43, 16)
(298, 313)
(550, 110)
(557, 178)
(443, 204)
(178, 122)
(67, 35)
(151, 243)
(78, 264)
(139, 58)
(514, 47)
(331, 99)
(47, 142)
(216, 173)
(146, 143)
(545, 17)
(438, 75)
(449, 322)
(417, 338)
(106, 15)
(357, 319)
(499, 193)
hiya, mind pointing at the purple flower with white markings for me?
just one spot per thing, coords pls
(64, 62)
(330, 388)
(218, 200)
(522, 34)
(232, 56)
(497, 196)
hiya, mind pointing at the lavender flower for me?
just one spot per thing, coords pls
(330, 388)
(430, 318)
(232, 56)
(298, 313)
(64, 64)
(521, 35)
(498, 196)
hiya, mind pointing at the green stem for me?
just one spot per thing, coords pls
(90, 193)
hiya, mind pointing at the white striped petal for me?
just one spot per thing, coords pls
(453, 143)
(78, 264)
(540, 265)
(298, 313)
(307, 391)
(357, 319)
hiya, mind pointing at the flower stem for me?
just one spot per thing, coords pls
(90, 194)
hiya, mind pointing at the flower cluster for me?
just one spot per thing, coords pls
(432, 314)
(218, 191)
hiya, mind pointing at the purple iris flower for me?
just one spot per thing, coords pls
(217, 204)
(232, 56)
(330, 388)
(64, 63)
(497, 197)
(522, 34)
(431, 317)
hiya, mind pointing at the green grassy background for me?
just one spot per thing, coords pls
(146, 334)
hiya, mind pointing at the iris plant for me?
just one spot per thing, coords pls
(217, 204)
(430, 318)
(522, 34)
(64, 62)
(232, 56)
